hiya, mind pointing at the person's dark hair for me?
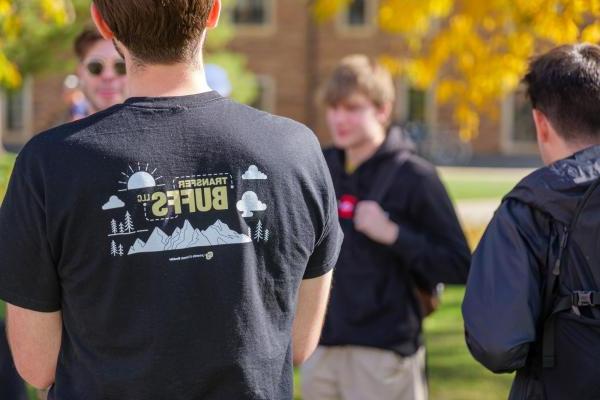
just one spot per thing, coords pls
(157, 31)
(564, 84)
(84, 42)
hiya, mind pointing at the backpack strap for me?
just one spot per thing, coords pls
(386, 173)
(553, 303)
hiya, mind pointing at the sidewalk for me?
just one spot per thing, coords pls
(476, 213)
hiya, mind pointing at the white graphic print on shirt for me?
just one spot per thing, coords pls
(187, 195)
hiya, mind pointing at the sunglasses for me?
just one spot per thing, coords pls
(95, 67)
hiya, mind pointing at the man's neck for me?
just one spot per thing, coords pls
(564, 149)
(357, 155)
(166, 80)
(573, 148)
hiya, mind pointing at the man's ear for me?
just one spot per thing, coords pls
(542, 126)
(100, 23)
(384, 113)
(213, 16)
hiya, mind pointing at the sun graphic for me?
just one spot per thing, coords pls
(139, 179)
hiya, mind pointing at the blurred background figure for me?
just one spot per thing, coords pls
(401, 238)
(217, 79)
(74, 98)
(101, 73)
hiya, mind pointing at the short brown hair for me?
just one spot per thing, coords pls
(157, 31)
(84, 42)
(357, 73)
(564, 84)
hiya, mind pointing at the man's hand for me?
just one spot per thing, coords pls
(371, 220)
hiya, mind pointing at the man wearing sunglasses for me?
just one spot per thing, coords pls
(101, 71)
(177, 246)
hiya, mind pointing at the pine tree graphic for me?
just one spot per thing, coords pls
(128, 223)
(266, 236)
(121, 228)
(120, 253)
(113, 248)
(258, 232)
(113, 226)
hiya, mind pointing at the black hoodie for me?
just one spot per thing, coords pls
(373, 299)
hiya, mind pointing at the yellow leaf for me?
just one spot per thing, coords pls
(9, 74)
(591, 33)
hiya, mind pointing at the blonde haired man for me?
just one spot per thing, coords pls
(400, 232)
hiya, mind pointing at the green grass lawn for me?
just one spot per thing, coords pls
(480, 183)
(6, 163)
(454, 375)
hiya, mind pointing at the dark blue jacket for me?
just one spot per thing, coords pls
(503, 305)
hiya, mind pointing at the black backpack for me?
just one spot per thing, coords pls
(426, 294)
(566, 363)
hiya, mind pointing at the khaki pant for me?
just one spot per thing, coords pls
(363, 373)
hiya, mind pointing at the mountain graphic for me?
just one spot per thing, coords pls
(187, 237)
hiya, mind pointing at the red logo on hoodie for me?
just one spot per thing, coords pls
(346, 206)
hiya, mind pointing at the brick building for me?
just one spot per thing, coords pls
(291, 56)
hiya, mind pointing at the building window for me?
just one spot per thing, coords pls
(358, 17)
(16, 114)
(524, 127)
(357, 13)
(417, 106)
(265, 98)
(413, 105)
(518, 129)
(252, 12)
(14, 103)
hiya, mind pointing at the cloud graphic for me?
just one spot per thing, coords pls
(113, 202)
(250, 203)
(253, 173)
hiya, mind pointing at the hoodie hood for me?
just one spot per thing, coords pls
(396, 141)
(557, 188)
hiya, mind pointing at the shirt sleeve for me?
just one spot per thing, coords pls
(28, 275)
(327, 248)
(503, 296)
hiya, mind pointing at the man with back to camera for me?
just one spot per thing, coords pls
(401, 233)
(532, 294)
(158, 249)
(101, 71)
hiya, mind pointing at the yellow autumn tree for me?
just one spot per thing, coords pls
(22, 18)
(475, 52)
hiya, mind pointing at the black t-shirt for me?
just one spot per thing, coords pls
(173, 234)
